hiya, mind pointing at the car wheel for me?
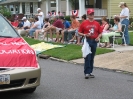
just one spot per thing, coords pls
(29, 90)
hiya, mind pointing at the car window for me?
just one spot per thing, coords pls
(6, 30)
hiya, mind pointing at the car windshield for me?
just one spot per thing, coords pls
(6, 30)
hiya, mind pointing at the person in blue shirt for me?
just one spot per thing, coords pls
(66, 27)
(21, 23)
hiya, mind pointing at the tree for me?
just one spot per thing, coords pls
(5, 12)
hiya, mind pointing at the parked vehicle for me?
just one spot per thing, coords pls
(19, 69)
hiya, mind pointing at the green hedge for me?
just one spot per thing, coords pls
(111, 22)
(5, 12)
(131, 20)
(67, 18)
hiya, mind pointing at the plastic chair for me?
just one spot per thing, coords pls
(115, 38)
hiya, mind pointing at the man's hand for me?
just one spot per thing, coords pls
(87, 35)
(36, 15)
(97, 39)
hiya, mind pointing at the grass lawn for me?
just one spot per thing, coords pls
(69, 52)
(131, 39)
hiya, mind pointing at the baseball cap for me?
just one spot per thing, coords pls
(89, 11)
(24, 18)
(38, 9)
(121, 3)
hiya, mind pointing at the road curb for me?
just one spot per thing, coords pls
(61, 60)
(44, 56)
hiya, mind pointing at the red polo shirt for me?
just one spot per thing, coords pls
(90, 27)
(58, 23)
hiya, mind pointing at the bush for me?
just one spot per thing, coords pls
(130, 20)
(111, 22)
(67, 18)
(5, 12)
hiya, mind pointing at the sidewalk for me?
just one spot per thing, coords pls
(121, 59)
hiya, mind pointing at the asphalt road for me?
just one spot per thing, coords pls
(66, 81)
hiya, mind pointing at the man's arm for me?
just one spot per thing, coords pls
(98, 38)
(122, 16)
(100, 33)
(40, 14)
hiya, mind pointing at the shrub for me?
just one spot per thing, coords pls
(130, 20)
(111, 22)
(5, 12)
(67, 18)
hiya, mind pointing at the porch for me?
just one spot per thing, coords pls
(27, 8)
(100, 7)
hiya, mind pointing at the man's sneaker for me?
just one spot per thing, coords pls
(70, 43)
(91, 76)
(50, 40)
(86, 76)
(65, 43)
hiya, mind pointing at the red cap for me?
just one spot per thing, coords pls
(89, 11)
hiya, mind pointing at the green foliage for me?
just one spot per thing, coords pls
(5, 12)
(51, 21)
(111, 22)
(131, 20)
(67, 18)
(131, 39)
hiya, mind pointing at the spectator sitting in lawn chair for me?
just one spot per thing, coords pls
(37, 25)
(44, 30)
(113, 31)
(66, 28)
(20, 24)
(26, 25)
(15, 23)
(77, 37)
(68, 35)
(105, 28)
(32, 21)
(56, 27)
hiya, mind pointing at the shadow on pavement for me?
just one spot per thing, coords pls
(16, 95)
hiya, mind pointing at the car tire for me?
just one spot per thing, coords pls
(29, 90)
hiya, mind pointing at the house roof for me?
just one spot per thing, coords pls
(15, 1)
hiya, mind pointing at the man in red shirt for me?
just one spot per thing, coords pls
(57, 27)
(92, 31)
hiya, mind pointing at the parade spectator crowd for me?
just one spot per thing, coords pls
(65, 31)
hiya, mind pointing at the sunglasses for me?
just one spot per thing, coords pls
(90, 14)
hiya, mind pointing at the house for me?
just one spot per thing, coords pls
(102, 8)
(26, 7)
(107, 8)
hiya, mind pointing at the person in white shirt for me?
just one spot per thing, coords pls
(44, 30)
(23, 31)
(40, 15)
(26, 23)
(124, 16)
(37, 25)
